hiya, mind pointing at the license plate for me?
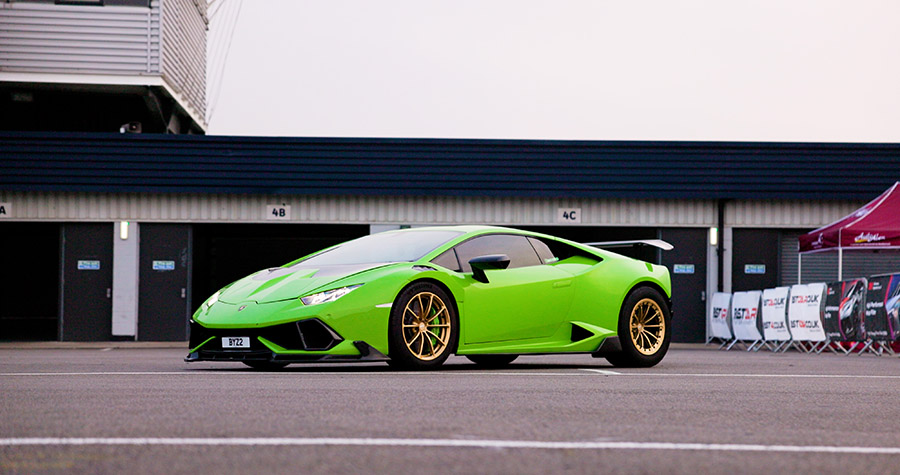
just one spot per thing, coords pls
(236, 342)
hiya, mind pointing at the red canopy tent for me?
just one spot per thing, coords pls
(874, 226)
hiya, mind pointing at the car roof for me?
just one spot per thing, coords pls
(473, 230)
(466, 228)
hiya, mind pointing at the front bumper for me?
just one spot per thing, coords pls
(303, 341)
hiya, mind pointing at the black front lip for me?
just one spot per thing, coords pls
(366, 353)
(309, 334)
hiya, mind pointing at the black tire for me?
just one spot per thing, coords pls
(644, 308)
(492, 361)
(423, 328)
(265, 365)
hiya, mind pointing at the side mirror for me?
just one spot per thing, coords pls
(490, 262)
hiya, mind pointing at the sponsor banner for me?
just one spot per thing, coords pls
(870, 239)
(805, 312)
(719, 310)
(892, 307)
(843, 317)
(744, 314)
(774, 314)
(831, 314)
(881, 308)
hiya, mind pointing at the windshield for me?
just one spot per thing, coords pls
(405, 246)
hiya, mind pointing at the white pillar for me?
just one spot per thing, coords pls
(126, 243)
(712, 277)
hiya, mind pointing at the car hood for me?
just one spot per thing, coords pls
(288, 283)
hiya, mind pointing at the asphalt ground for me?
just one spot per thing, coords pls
(114, 408)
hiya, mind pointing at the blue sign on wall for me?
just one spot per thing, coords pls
(89, 265)
(163, 265)
(754, 268)
(683, 269)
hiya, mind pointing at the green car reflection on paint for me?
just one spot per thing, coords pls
(412, 297)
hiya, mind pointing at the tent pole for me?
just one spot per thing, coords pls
(840, 256)
(840, 263)
(800, 268)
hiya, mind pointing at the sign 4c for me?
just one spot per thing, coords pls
(568, 215)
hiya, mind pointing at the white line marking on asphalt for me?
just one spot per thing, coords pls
(101, 373)
(296, 373)
(443, 443)
(751, 375)
(602, 371)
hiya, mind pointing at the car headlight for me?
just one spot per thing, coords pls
(328, 295)
(210, 301)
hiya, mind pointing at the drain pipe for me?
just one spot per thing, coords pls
(720, 248)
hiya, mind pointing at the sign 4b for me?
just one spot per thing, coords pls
(278, 212)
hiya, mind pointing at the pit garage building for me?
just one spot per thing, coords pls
(111, 236)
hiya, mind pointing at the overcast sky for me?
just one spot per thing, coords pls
(756, 70)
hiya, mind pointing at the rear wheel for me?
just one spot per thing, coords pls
(265, 365)
(492, 361)
(423, 327)
(644, 329)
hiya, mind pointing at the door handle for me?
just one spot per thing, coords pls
(108, 292)
(703, 296)
(183, 292)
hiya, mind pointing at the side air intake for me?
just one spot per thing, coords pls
(579, 333)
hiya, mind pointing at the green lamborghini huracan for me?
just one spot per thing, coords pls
(412, 297)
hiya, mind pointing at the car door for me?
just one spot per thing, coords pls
(528, 299)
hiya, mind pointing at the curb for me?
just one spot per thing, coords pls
(90, 345)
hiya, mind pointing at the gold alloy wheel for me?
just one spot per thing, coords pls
(426, 326)
(648, 327)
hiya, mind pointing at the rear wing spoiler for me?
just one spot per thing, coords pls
(657, 243)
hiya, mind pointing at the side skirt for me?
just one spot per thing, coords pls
(608, 346)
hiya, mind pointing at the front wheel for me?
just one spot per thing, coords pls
(644, 329)
(423, 327)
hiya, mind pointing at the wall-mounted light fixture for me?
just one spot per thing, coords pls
(713, 236)
(123, 230)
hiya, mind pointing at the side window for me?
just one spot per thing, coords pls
(447, 259)
(552, 250)
(543, 251)
(519, 250)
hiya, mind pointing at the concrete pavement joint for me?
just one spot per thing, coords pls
(587, 372)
